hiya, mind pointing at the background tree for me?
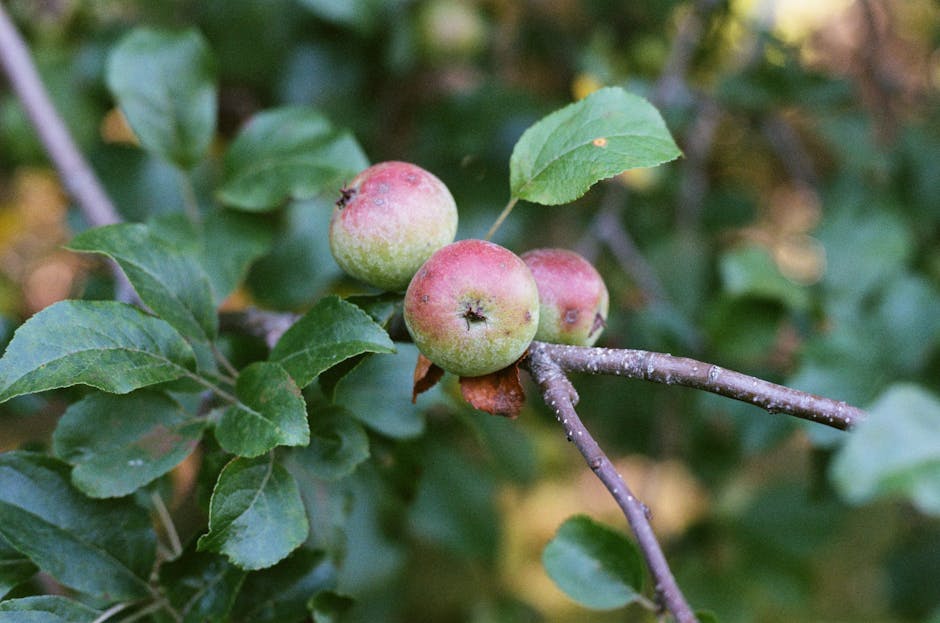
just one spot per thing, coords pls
(795, 241)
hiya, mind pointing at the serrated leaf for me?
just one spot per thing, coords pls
(46, 609)
(169, 282)
(895, 451)
(560, 157)
(105, 548)
(256, 516)
(118, 444)
(164, 83)
(331, 331)
(105, 344)
(287, 153)
(337, 446)
(201, 586)
(270, 412)
(593, 564)
(378, 393)
(14, 568)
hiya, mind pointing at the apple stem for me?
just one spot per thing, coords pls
(502, 217)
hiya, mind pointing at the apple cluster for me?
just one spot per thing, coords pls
(472, 307)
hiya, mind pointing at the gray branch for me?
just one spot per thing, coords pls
(670, 370)
(560, 395)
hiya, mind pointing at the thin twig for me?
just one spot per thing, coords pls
(176, 547)
(560, 395)
(670, 370)
(267, 325)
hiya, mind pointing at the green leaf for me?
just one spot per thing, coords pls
(329, 607)
(225, 243)
(287, 153)
(105, 344)
(118, 444)
(14, 568)
(270, 412)
(46, 609)
(454, 505)
(281, 593)
(202, 587)
(895, 451)
(164, 84)
(256, 516)
(560, 157)
(331, 331)
(338, 445)
(169, 282)
(359, 14)
(378, 393)
(750, 271)
(593, 564)
(105, 548)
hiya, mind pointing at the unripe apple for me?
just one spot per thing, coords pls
(472, 308)
(388, 221)
(573, 300)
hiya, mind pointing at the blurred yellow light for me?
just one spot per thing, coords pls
(584, 84)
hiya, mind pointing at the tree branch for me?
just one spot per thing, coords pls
(77, 176)
(670, 370)
(561, 396)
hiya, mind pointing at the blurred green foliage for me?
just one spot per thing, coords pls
(797, 240)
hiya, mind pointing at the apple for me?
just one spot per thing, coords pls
(388, 221)
(472, 308)
(573, 300)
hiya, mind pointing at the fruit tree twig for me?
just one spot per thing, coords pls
(76, 174)
(560, 395)
(670, 370)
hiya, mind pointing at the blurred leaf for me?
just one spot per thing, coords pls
(359, 14)
(164, 84)
(865, 247)
(454, 505)
(299, 266)
(329, 607)
(895, 451)
(118, 444)
(171, 283)
(256, 517)
(46, 609)
(104, 548)
(378, 393)
(337, 446)
(14, 568)
(906, 333)
(595, 565)
(559, 158)
(225, 243)
(202, 587)
(287, 153)
(331, 331)
(280, 594)
(750, 271)
(271, 412)
(108, 345)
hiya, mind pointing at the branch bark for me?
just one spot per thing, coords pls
(77, 176)
(561, 396)
(670, 370)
